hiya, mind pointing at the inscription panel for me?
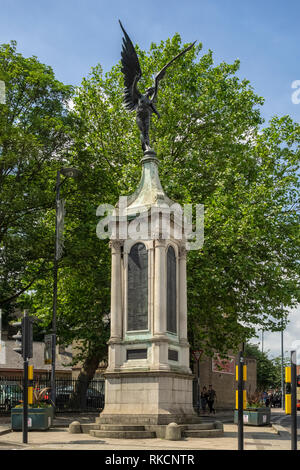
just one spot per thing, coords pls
(137, 288)
(172, 355)
(171, 291)
(136, 354)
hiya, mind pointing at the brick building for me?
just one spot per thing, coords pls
(221, 375)
(11, 363)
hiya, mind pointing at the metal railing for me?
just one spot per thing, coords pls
(68, 396)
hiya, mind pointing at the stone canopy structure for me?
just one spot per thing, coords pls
(148, 378)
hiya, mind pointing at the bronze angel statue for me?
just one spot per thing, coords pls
(143, 104)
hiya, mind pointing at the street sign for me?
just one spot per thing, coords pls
(197, 354)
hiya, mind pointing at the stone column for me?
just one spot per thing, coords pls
(182, 295)
(159, 339)
(116, 293)
(151, 286)
(185, 351)
(160, 315)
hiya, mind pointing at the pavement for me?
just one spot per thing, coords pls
(273, 437)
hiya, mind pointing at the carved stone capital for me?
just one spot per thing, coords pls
(115, 246)
(182, 252)
(160, 242)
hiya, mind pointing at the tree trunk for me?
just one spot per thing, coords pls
(86, 374)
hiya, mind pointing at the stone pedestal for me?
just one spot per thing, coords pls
(148, 378)
(148, 398)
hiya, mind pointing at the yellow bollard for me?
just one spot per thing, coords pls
(288, 375)
(288, 396)
(30, 372)
(288, 403)
(237, 399)
(245, 373)
(244, 391)
(244, 399)
(30, 387)
(30, 395)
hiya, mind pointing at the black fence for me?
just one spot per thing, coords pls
(68, 396)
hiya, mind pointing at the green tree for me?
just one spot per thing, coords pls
(276, 361)
(267, 372)
(34, 133)
(212, 151)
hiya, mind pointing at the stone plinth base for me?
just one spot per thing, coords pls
(148, 398)
(149, 420)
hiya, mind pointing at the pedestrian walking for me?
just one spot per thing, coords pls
(211, 397)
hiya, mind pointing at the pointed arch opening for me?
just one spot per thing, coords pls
(137, 298)
(171, 291)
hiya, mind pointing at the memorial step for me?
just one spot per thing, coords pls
(120, 427)
(86, 428)
(199, 426)
(203, 433)
(123, 434)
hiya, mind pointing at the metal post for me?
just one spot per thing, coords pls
(69, 173)
(25, 403)
(282, 374)
(55, 269)
(240, 402)
(198, 387)
(293, 401)
(25, 381)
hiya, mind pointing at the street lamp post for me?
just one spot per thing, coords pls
(294, 400)
(240, 398)
(282, 373)
(69, 173)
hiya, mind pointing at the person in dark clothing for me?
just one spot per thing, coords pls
(204, 399)
(211, 396)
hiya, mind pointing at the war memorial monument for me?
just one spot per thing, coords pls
(148, 381)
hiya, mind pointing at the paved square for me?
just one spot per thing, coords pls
(255, 438)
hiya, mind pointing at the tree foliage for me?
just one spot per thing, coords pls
(34, 133)
(268, 370)
(214, 151)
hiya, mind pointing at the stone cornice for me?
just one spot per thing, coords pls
(152, 373)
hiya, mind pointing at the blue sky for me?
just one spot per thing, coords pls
(74, 35)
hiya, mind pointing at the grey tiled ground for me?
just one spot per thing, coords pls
(256, 438)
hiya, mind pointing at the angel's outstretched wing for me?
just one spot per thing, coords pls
(162, 72)
(132, 72)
